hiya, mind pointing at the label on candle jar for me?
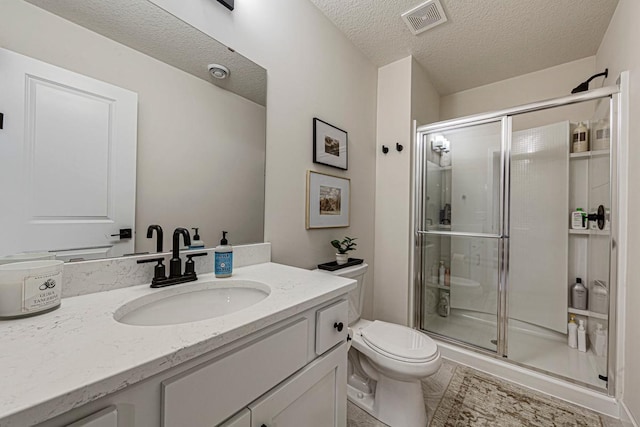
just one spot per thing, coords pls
(41, 291)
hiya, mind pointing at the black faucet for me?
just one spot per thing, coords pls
(175, 265)
(159, 236)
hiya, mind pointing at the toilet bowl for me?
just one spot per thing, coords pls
(386, 363)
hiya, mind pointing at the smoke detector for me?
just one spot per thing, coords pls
(218, 71)
(424, 16)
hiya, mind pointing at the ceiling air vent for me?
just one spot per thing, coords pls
(424, 16)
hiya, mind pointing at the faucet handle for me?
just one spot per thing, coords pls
(190, 265)
(159, 272)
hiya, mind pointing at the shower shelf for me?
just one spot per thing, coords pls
(588, 232)
(435, 285)
(587, 154)
(588, 313)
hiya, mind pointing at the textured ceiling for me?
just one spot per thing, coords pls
(145, 27)
(482, 42)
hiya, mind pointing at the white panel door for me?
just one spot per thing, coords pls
(67, 160)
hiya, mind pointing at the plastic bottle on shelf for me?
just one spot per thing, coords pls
(573, 332)
(580, 138)
(579, 219)
(443, 305)
(582, 336)
(579, 295)
(601, 135)
(441, 273)
(600, 342)
(599, 297)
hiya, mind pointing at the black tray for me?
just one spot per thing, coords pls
(333, 265)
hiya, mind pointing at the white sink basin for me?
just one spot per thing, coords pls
(192, 302)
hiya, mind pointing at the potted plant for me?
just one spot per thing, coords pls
(344, 246)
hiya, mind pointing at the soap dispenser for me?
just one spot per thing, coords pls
(223, 265)
(582, 336)
(196, 243)
(573, 332)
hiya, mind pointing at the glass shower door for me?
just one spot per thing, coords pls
(548, 253)
(460, 232)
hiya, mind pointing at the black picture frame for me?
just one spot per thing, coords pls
(330, 145)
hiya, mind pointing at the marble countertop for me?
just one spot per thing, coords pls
(61, 360)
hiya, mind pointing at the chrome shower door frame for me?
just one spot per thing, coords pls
(419, 203)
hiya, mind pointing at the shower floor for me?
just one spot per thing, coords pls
(541, 349)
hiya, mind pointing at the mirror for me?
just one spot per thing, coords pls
(200, 154)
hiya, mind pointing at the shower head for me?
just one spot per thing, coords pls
(584, 86)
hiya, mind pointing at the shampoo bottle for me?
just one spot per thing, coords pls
(600, 345)
(573, 332)
(582, 336)
(579, 295)
(580, 142)
(223, 264)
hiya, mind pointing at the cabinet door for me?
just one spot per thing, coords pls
(241, 419)
(314, 397)
(108, 417)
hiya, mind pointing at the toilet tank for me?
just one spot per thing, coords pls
(356, 296)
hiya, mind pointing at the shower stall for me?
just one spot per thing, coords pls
(496, 253)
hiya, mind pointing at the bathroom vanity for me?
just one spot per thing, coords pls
(280, 361)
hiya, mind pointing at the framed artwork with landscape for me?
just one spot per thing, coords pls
(328, 200)
(329, 145)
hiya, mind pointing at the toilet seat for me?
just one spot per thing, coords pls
(399, 342)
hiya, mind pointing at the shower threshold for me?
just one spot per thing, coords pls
(533, 347)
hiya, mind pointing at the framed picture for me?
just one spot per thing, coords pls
(328, 200)
(329, 145)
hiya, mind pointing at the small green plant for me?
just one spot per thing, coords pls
(345, 245)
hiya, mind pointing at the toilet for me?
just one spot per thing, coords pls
(386, 363)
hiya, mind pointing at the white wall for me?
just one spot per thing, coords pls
(544, 84)
(191, 134)
(404, 93)
(619, 52)
(391, 289)
(312, 71)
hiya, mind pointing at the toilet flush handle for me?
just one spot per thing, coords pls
(338, 326)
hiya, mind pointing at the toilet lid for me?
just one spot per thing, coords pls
(399, 342)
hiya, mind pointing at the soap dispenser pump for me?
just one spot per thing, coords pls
(196, 243)
(223, 265)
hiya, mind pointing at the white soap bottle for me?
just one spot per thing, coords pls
(441, 273)
(573, 332)
(223, 264)
(600, 345)
(582, 336)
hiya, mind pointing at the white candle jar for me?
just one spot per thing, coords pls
(28, 288)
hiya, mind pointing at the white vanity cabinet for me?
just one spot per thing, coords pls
(277, 376)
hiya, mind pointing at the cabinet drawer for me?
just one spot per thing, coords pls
(331, 326)
(207, 395)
